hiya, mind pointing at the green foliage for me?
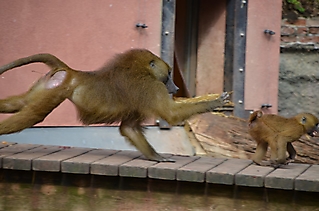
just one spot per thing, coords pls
(297, 5)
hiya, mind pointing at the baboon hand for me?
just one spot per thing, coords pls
(224, 98)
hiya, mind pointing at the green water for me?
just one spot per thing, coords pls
(35, 191)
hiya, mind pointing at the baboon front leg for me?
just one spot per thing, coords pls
(134, 134)
(260, 152)
(177, 111)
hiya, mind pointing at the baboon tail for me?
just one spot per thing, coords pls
(48, 59)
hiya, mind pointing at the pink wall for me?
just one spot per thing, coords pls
(262, 55)
(83, 34)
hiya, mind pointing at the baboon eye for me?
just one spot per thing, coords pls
(303, 120)
(152, 64)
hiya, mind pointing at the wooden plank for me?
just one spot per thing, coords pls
(81, 164)
(53, 161)
(308, 180)
(167, 170)
(136, 168)
(225, 172)
(5, 144)
(110, 165)
(23, 160)
(196, 171)
(253, 176)
(284, 177)
(14, 149)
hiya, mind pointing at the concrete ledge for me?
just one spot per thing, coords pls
(103, 137)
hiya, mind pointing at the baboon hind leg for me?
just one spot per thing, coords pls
(33, 106)
(12, 104)
(29, 113)
(291, 151)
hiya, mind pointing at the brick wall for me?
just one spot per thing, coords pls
(301, 33)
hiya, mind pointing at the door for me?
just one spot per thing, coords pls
(262, 55)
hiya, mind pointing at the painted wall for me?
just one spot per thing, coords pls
(262, 55)
(83, 34)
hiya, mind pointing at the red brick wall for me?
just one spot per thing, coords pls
(302, 31)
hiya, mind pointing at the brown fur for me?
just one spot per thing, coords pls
(129, 89)
(278, 132)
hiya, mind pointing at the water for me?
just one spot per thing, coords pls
(41, 191)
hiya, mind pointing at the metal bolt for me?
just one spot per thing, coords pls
(243, 3)
(241, 69)
(143, 26)
(242, 34)
(270, 32)
(166, 33)
(240, 101)
(266, 105)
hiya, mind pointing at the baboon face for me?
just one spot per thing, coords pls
(309, 122)
(160, 69)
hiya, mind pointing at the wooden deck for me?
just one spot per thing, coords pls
(75, 160)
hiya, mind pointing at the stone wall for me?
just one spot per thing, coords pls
(301, 32)
(299, 67)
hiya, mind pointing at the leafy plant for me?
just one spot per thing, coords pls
(297, 5)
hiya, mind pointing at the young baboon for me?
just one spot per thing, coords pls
(279, 133)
